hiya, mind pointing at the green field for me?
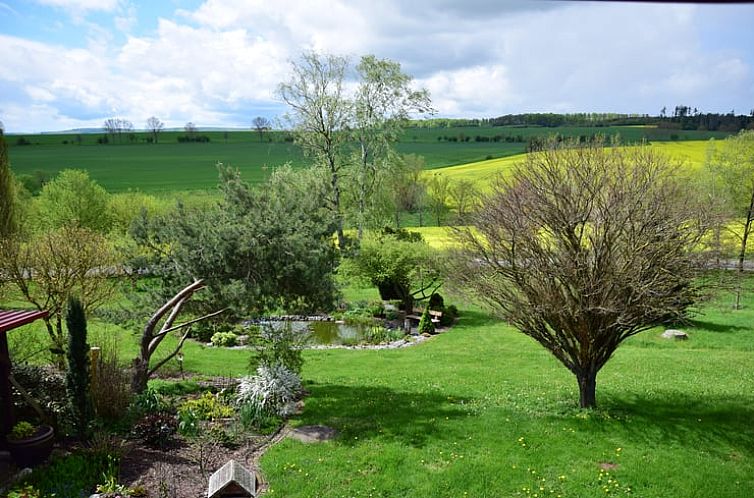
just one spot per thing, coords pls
(170, 166)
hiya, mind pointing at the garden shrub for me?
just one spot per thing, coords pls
(269, 392)
(111, 387)
(78, 377)
(206, 407)
(47, 385)
(425, 323)
(277, 346)
(449, 315)
(188, 423)
(73, 475)
(224, 339)
(436, 302)
(156, 429)
(149, 401)
(358, 316)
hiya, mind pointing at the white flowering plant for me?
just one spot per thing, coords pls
(270, 392)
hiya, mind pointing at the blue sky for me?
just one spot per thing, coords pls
(73, 63)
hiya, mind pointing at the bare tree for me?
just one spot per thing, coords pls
(111, 126)
(117, 126)
(152, 337)
(261, 124)
(155, 126)
(2, 128)
(582, 248)
(190, 129)
(319, 114)
(56, 265)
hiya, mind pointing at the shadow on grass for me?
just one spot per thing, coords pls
(477, 318)
(714, 424)
(716, 327)
(359, 412)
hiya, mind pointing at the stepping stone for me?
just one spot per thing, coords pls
(313, 433)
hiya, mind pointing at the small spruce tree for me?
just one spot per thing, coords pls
(77, 377)
(425, 323)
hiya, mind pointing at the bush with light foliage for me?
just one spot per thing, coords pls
(270, 391)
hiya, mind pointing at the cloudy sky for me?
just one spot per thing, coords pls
(72, 63)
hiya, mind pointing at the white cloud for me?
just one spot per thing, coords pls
(480, 90)
(482, 58)
(81, 5)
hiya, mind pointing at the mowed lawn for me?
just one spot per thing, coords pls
(483, 411)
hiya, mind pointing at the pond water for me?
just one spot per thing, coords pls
(326, 332)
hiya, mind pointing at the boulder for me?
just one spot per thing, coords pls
(313, 433)
(675, 334)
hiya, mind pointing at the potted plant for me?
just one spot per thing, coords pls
(30, 445)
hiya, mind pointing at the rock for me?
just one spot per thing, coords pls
(675, 334)
(313, 433)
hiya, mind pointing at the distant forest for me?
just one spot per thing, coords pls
(682, 118)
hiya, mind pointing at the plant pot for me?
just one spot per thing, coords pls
(33, 450)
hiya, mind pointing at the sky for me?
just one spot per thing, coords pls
(68, 64)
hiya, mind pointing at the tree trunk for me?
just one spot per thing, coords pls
(742, 253)
(362, 190)
(587, 388)
(336, 205)
(140, 375)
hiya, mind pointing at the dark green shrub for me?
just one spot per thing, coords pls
(78, 376)
(48, 387)
(449, 315)
(149, 401)
(73, 475)
(425, 324)
(156, 429)
(436, 302)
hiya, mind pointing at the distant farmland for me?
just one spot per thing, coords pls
(171, 166)
(690, 155)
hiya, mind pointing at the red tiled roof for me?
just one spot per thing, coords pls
(11, 319)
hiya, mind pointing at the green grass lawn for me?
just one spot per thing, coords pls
(483, 411)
